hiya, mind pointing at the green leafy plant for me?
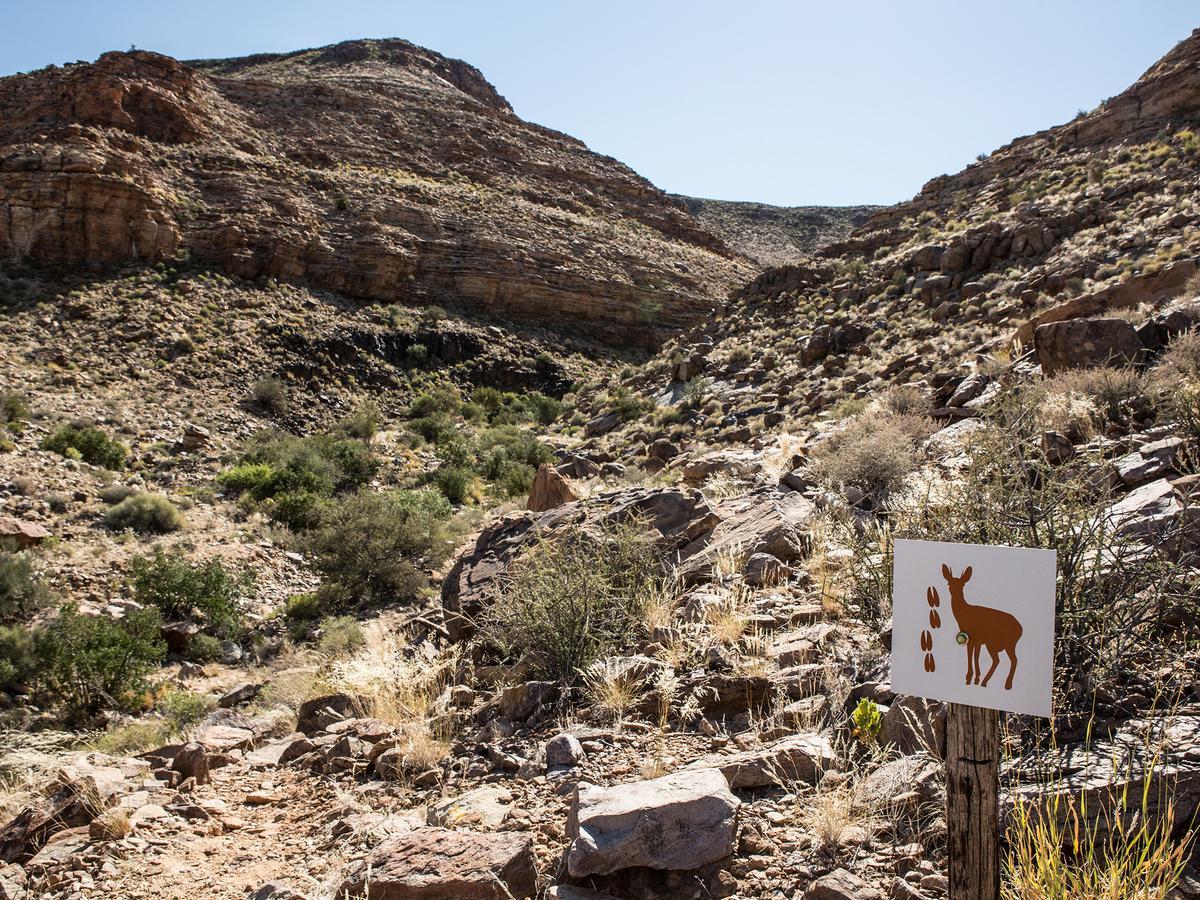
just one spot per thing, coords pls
(370, 548)
(22, 592)
(88, 443)
(152, 513)
(209, 592)
(868, 721)
(574, 600)
(97, 661)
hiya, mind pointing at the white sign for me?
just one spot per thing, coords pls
(974, 624)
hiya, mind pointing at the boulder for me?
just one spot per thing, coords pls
(764, 570)
(21, 533)
(520, 701)
(191, 761)
(563, 751)
(914, 724)
(680, 821)
(735, 463)
(1078, 343)
(1152, 460)
(277, 890)
(485, 806)
(317, 714)
(439, 864)
(798, 757)
(242, 693)
(841, 884)
(280, 752)
(1148, 512)
(550, 490)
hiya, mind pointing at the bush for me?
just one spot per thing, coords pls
(441, 398)
(115, 493)
(270, 394)
(455, 482)
(370, 547)
(151, 513)
(21, 591)
(295, 473)
(339, 635)
(94, 662)
(363, 422)
(88, 443)
(203, 648)
(183, 708)
(208, 592)
(872, 453)
(13, 408)
(575, 600)
(17, 661)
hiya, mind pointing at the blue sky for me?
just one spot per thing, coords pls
(779, 102)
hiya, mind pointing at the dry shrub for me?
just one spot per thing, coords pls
(873, 453)
(1082, 402)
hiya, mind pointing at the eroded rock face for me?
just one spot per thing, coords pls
(309, 168)
(680, 821)
(1075, 343)
(439, 864)
(550, 490)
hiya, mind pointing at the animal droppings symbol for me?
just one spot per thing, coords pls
(935, 622)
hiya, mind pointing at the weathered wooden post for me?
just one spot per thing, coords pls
(972, 801)
(988, 647)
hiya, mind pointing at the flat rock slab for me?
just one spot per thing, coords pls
(798, 757)
(841, 885)
(678, 822)
(439, 864)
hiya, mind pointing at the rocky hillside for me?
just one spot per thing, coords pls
(776, 235)
(309, 598)
(376, 169)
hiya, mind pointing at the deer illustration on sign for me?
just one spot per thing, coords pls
(979, 627)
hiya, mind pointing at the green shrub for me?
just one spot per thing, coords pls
(302, 608)
(435, 429)
(91, 445)
(363, 422)
(18, 663)
(13, 408)
(628, 405)
(441, 398)
(454, 482)
(575, 600)
(207, 592)
(270, 394)
(115, 493)
(22, 592)
(370, 547)
(203, 648)
(868, 721)
(183, 708)
(339, 635)
(93, 662)
(295, 473)
(151, 513)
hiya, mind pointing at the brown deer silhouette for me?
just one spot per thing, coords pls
(983, 626)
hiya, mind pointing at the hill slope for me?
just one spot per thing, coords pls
(376, 169)
(776, 235)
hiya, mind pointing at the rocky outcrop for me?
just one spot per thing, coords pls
(1079, 343)
(376, 169)
(679, 821)
(439, 864)
(550, 490)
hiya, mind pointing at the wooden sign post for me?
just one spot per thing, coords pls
(973, 626)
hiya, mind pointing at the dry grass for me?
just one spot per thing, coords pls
(777, 460)
(403, 686)
(610, 688)
(730, 621)
(112, 824)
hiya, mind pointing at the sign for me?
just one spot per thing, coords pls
(974, 624)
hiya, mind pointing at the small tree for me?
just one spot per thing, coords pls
(180, 589)
(94, 662)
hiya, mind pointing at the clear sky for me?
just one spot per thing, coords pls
(797, 102)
